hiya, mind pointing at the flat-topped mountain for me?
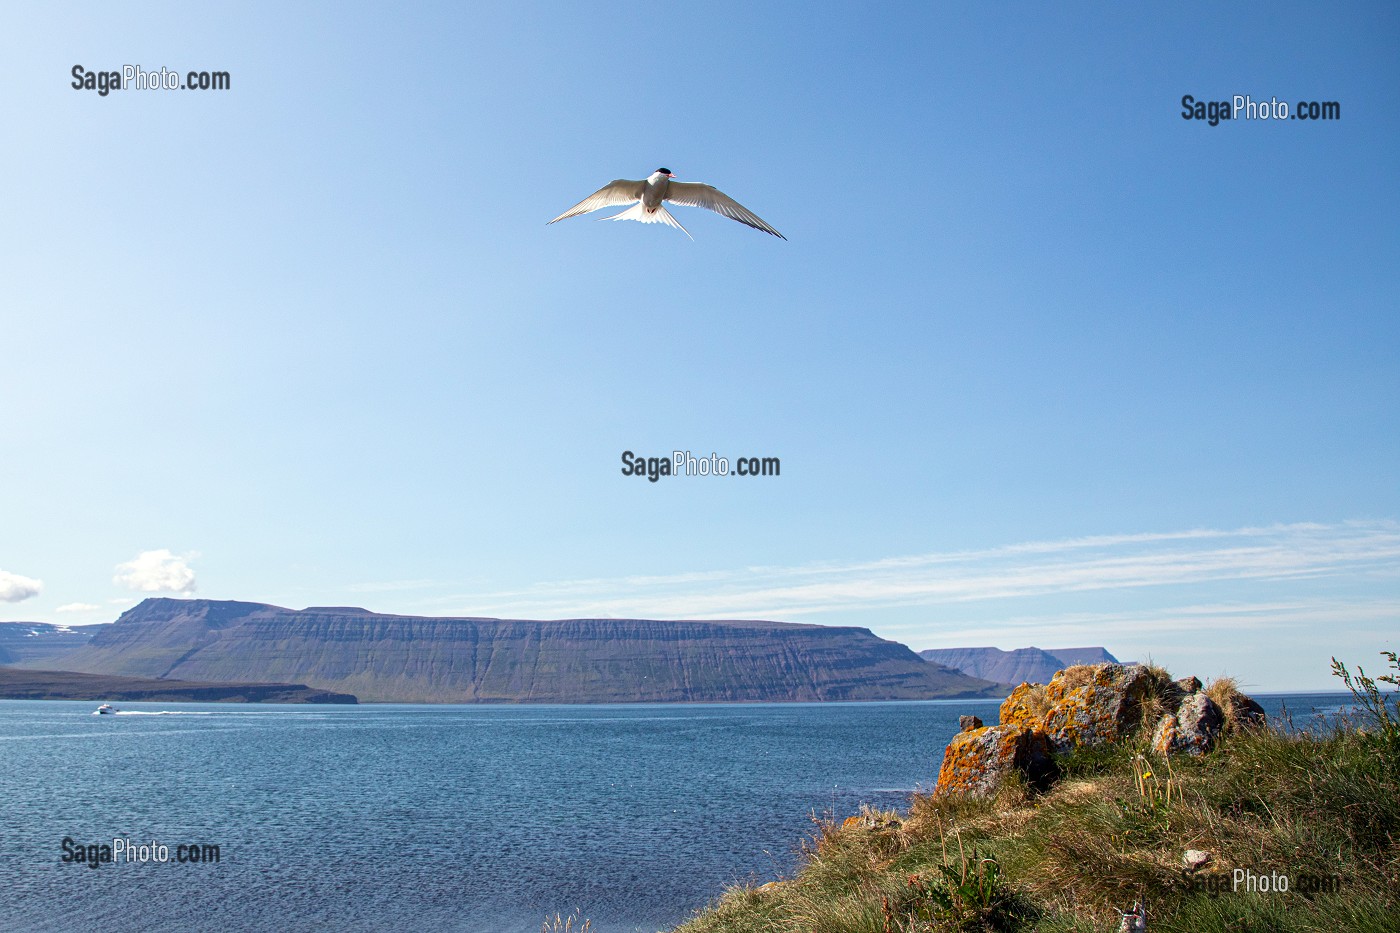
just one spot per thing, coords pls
(1021, 665)
(396, 658)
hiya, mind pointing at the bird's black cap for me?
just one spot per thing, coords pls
(664, 171)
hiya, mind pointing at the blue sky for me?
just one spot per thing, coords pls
(1044, 362)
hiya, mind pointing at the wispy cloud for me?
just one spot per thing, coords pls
(1265, 620)
(1030, 569)
(77, 607)
(15, 588)
(157, 571)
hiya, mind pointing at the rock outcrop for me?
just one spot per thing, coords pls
(1102, 704)
(978, 760)
(1242, 712)
(389, 658)
(1082, 706)
(1090, 706)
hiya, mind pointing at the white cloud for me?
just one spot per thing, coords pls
(77, 607)
(157, 571)
(14, 588)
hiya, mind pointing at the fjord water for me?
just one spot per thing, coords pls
(479, 819)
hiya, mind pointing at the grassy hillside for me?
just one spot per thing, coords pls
(1322, 809)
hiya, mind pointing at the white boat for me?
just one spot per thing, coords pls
(105, 709)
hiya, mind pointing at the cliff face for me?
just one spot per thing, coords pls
(470, 660)
(1022, 665)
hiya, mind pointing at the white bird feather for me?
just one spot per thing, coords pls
(648, 196)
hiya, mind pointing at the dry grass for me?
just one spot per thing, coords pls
(573, 923)
(1152, 708)
(1226, 693)
(1158, 672)
(1163, 696)
(1035, 701)
(1106, 836)
(1111, 832)
(1080, 675)
(1223, 690)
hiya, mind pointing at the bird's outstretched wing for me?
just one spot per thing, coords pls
(614, 193)
(693, 194)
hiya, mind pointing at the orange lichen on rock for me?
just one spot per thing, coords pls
(1094, 706)
(1087, 706)
(1025, 707)
(976, 761)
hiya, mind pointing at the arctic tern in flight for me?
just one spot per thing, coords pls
(647, 197)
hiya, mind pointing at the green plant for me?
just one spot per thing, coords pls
(964, 891)
(1374, 706)
(1091, 761)
(967, 894)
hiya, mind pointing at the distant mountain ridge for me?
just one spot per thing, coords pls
(30, 641)
(1020, 665)
(393, 658)
(22, 684)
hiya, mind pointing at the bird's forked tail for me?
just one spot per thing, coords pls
(660, 215)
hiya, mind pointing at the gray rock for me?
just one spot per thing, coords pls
(1164, 735)
(967, 723)
(1245, 713)
(1194, 728)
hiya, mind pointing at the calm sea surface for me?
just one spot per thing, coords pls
(461, 818)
